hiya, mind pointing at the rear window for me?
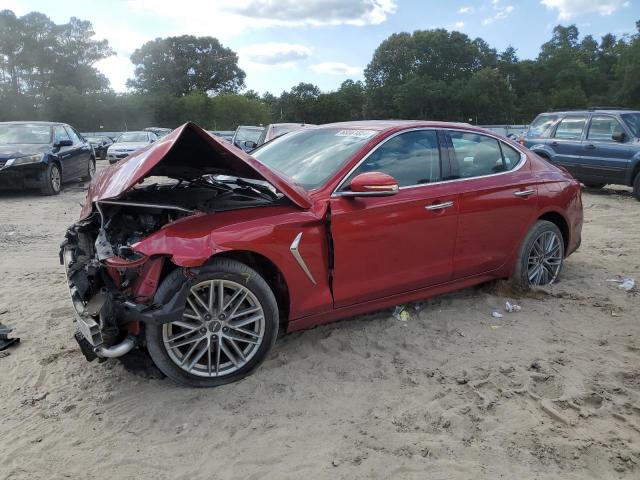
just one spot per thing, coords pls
(541, 125)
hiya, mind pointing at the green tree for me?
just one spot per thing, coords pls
(186, 64)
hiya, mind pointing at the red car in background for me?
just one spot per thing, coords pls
(199, 254)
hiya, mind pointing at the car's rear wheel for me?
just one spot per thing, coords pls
(540, 257)
(636, 187)
(51, 182)
(91, 170)
(595, 186)
(229, 325)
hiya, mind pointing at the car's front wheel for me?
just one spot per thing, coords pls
(51, 182)
(540, 257)
(229, 325)
(595, 186)
(91, 170)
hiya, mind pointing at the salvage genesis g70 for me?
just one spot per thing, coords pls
(198, 254)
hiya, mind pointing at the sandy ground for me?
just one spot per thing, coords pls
(552, 391)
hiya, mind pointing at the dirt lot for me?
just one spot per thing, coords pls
(552, 391)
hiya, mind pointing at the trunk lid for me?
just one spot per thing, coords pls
(187, 152)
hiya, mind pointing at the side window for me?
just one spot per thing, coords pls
(476, 155)
(412, 158)
(511, 156)
(570, 128)
(602, 128)
(74, 137)
(59, 133)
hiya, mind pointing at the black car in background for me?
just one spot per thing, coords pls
(100, 145)
(43, 155)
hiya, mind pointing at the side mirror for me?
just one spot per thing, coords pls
(372, 184)
(619, 137)
(250, 144)
(64, 143)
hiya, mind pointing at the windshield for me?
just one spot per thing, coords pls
(540, 125)
(17, 133)
(312, 156)
(133, 137)
(248, 134)
(633, 122)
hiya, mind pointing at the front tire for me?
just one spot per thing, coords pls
(540, 257)
(229, 325)
(51, 182)
(595, 186)
(91, 170)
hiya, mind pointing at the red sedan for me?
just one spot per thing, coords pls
(199, 254)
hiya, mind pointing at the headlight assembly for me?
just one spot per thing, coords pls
(26, 160)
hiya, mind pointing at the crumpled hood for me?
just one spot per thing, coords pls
(16, 151)
(187, 152)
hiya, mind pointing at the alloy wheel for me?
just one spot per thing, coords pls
(222, 328)
(55, 179)
(545, 259)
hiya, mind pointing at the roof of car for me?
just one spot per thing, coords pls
(611, 111)
(27, 122)
(381, 125)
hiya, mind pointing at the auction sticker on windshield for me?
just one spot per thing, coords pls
(356, 133)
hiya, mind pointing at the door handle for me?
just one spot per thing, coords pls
(591, 146)
(439, 206)
(524, 193)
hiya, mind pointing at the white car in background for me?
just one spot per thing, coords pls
(129, 142)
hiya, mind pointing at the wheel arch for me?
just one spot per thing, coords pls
(271, 274)
(559, 221)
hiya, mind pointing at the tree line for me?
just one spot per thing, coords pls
(47, 72)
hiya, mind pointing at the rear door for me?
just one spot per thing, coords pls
(497, 201)
(606, 160)
(389, 245)
(566, 142)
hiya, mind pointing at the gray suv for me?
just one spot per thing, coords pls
(598, 146)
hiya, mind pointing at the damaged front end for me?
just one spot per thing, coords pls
(113, 296)
(113, 280)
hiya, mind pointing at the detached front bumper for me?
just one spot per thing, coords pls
(108, 318)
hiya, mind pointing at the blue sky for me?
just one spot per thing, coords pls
(284, 42)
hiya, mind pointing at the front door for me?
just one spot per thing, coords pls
(389, 245)
(66, 154)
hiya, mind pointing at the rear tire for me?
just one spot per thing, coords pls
(224, 342)
(51, 182)
(541, 256)
(636, 187)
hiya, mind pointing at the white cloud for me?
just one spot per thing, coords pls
(336, 68)
(500, 12)
(468, 10)
(227, 18)
(274, 53)
(568, 9)
(459, 24)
